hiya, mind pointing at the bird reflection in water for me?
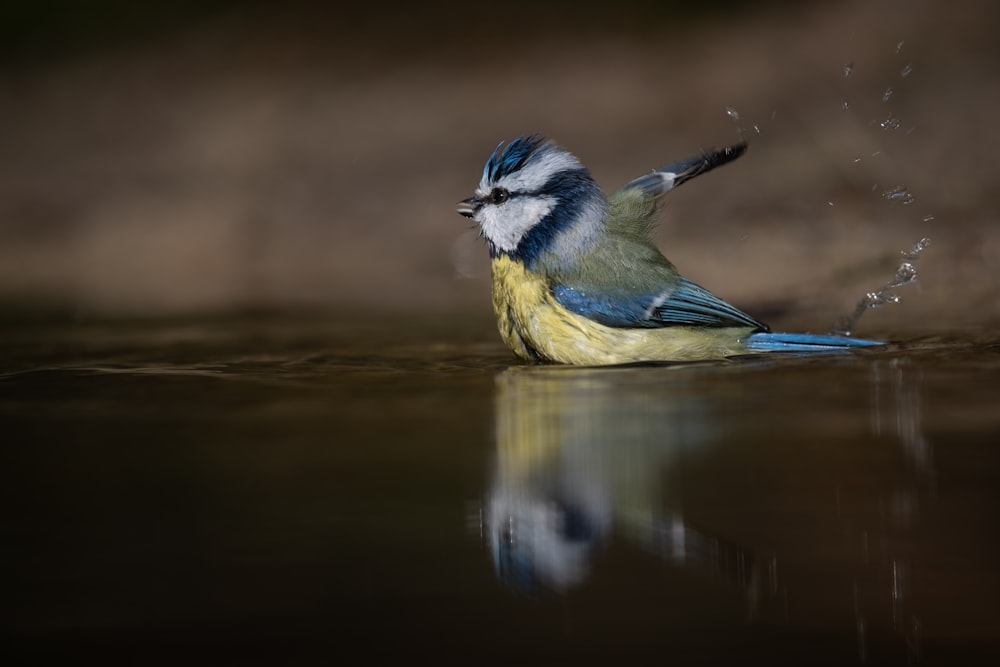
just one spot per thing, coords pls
(581, 454)
(587, 454)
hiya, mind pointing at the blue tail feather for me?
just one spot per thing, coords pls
(766, 341)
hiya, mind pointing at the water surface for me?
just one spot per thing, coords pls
(289, 491)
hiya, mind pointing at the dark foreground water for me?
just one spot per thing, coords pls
(303, 492)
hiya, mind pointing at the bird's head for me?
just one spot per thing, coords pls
(534, 201)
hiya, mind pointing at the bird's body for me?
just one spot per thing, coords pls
(577, 278)
(537, 327)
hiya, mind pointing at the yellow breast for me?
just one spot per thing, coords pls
(535, 326)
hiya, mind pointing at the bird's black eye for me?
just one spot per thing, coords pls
(499, 196)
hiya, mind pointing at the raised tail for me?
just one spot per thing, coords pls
(766, 341)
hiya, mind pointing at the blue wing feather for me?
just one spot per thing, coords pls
(684, 304)
(690, 303)
(613, 309)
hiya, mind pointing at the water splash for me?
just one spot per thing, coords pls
(732, 113)
(906, 268)
(906, 274)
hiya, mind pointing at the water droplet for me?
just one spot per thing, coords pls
(732, 113)
(829, 203)
(756, 128)
(856, 160)
(887, 95)
(846, 106)
(917, 248)
(848, 69)
(899, 47)
(874, 299)
(876, 153)
(890, 123)
(905, 274)
(928, 217)
(893, 193)
(898, 193)
(906, 71)
(880, 298)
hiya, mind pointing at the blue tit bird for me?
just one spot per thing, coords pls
(577, 278)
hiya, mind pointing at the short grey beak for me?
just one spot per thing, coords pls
(468, 207)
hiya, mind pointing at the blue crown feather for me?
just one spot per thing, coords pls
(512, 158)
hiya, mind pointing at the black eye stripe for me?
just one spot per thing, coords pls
(553, 185)
(490, 198)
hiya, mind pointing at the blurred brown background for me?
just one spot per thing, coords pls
(193, 158)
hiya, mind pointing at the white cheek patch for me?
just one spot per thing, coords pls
(504, 225)
(534, 175)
